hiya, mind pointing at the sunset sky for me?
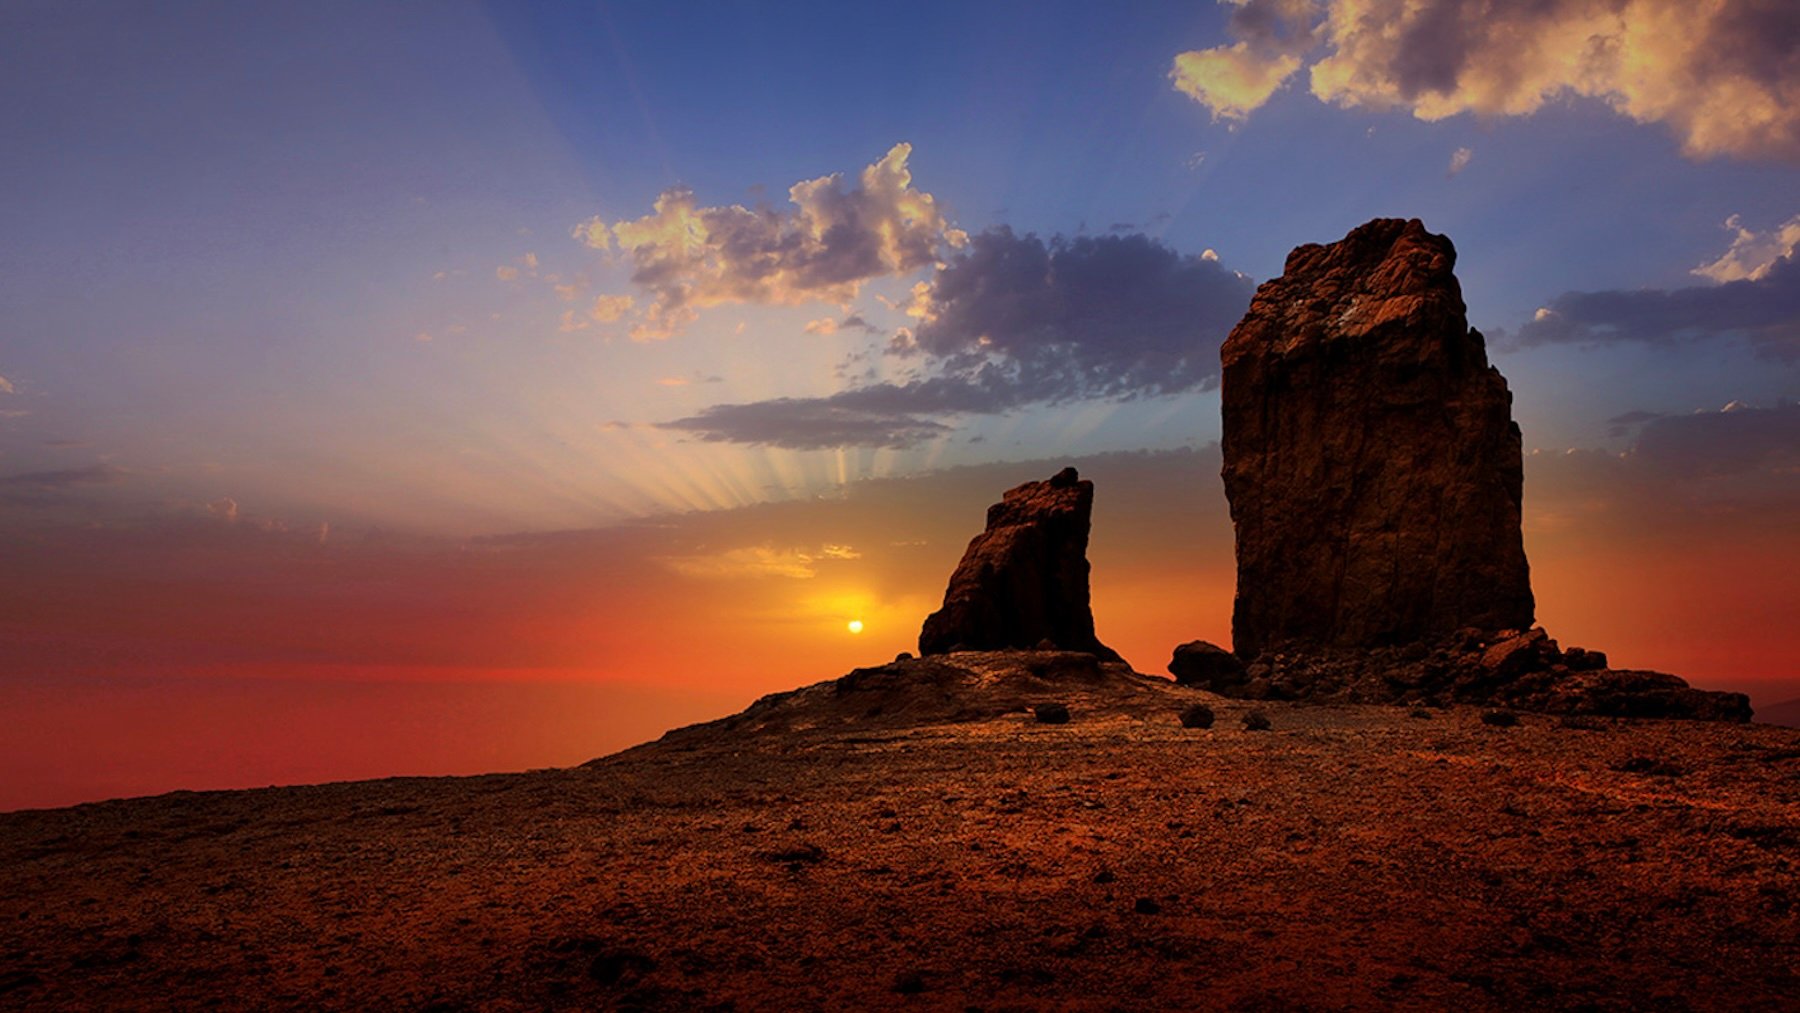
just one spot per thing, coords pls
(403, 389)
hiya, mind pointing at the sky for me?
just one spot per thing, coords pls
(423, 389)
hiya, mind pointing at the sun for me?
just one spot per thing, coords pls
(855, 626)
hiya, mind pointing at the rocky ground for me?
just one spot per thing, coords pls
(914, 837)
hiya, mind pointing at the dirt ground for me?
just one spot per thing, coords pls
(933, 846)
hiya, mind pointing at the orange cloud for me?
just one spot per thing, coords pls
(821, 249)
(1718, 73)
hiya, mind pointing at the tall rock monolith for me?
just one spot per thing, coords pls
(1371, 461)
(1023, 582)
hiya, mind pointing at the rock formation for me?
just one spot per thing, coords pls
(1371, 461)
(1023, 582)
(1375, 480)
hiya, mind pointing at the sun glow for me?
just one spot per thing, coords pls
(855, 626)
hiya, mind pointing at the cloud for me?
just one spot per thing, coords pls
(1459, 160)
(1752, 254)
(1235, 80)
(98, 474)
(1069, 319)
(224, 508)
(505, 273)
(1232, 81)
(1734, 440)
(1722, 75)
(758, 561)
(1762, 308)
(1016, 320)
(826, 326)
(606, 309)
(1730, 470)
(6, 386)
(822, 248)
(819, 423)
(593, 233)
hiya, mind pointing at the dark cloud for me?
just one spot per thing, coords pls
(1764, 311)
(63, 478)
(1718, 444)
(1014, 321)
(807, 424)
(1740, 463)
(1620, 425)
(1089, 317)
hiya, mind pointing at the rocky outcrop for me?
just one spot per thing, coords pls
(1375, 480)
(1371, 461)
(1522, 669)
(1023, 582)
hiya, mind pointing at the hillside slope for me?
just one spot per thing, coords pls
(950, 851)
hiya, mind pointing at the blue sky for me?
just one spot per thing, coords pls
(224, 224)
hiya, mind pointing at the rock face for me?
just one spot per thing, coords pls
(1371, 460)
(1023, 581)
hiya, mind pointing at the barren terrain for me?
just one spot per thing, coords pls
(915, 838)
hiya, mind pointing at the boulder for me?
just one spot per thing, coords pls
(1370, 458)
(1197, 716)
(1208, 666)
(1024, 580)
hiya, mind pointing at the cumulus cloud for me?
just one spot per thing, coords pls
(1235, 80)
(1459, 160)
(6, 386)
(1017, 320)
(1723, 75)
(822, 248)
(1752, 254)
(1232, 81)
(224, 508)
(1762, 308)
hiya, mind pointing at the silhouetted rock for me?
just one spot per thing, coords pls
(1024, 580)
(1371, 461)
(1207, 666)
(1499, 719)
(1256, 721)
(1197, 716)
(1051, 714)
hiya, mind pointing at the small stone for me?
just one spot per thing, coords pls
(1046, 644)
(1051, 714)
(620, 967)
(1256, 721)
(1197, 716)
(903, 656)
(1499, 719)
(1420, 713)
(1650, 765)
(1146, 906)
(1104, 876)
(909, 983)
